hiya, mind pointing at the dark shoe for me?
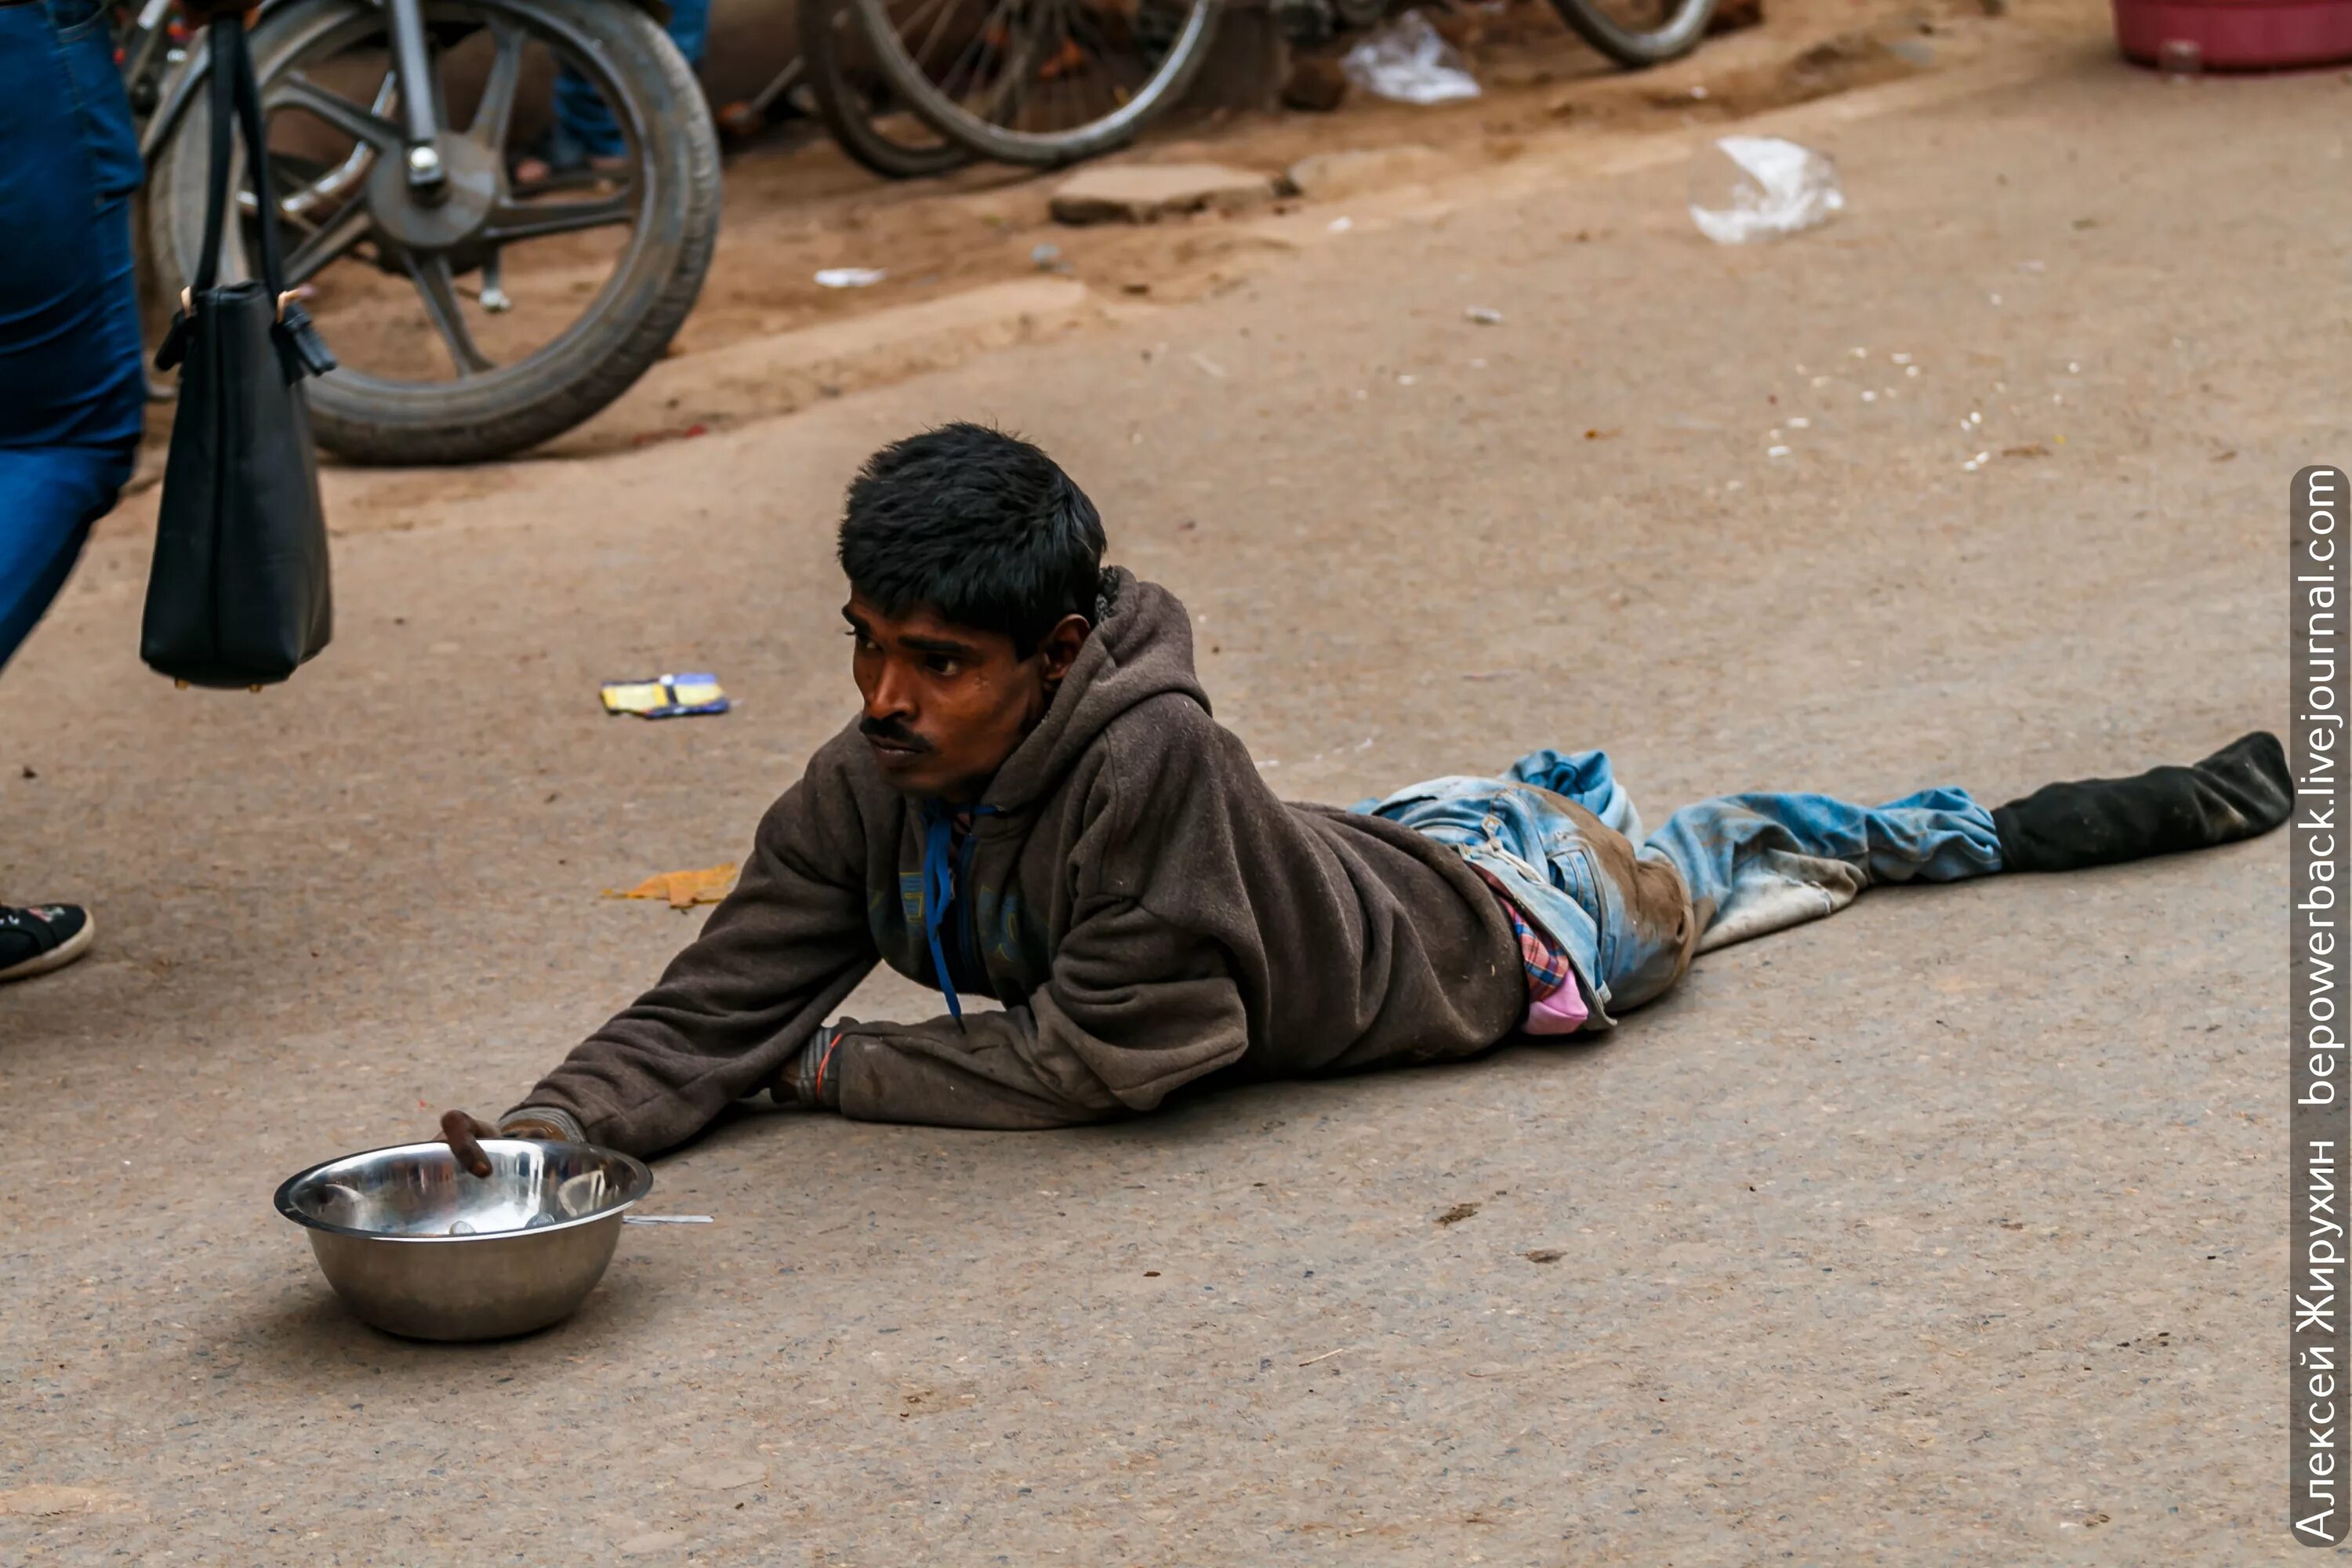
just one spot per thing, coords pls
(45, 937)
(2238, 792)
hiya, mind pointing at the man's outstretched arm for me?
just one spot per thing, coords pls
(773, 961)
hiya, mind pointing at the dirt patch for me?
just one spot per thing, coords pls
(795, 206)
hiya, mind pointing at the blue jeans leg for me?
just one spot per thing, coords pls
(584, 126)
(72, 399)
(1759, 863)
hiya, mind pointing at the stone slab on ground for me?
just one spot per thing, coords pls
(1145, 193)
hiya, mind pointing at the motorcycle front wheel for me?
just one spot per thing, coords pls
(528, 289)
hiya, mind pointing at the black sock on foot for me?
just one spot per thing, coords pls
(2240, 791)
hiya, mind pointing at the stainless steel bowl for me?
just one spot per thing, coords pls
(419, 1246)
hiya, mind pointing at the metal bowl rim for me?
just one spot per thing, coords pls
(630, 1162)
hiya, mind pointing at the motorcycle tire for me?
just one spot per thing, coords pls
(497, 412)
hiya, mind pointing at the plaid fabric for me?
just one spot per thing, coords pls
(1547, 966)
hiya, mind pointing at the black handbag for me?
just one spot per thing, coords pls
(239, 593)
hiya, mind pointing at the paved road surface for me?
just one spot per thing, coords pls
(1948, 1231)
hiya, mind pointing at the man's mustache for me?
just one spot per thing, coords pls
(892, 732)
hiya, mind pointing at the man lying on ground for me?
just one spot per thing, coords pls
(1035, 805)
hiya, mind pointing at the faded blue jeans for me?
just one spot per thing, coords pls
(1631, 910)
(71, 396)
(584, 127)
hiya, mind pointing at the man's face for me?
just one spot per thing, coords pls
(946, 704)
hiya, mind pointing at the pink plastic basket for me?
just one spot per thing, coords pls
(2237, 35)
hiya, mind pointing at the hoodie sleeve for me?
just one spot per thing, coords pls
(1142, 997)
(771, 963)
(1135, 1007)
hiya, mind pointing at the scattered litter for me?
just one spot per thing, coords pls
(1859, 353)
(1406, 61)
(1976, 416)
(1900, 358)
(2073, 368)
(849, 277)
(1820, 381)
(1457, 1213)
(1044, 257)
(682, 890)
(1544, 1255)
(1776, 451)
(1407, 380)
(1870, 398)
(2029, 267)
(1735, 484)
(1327, 1355)
(1699, 92)
(1910, 370)
(664, 696)
(1996, 299)
(1754, 187)
(1485, 315)
(1800, 422)
(1342, 225)
(2031, 449)
(1209, 367)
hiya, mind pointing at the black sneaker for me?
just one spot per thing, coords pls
(45, 937)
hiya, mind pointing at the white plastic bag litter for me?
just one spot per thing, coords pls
(1756, 187)
(1406, 61)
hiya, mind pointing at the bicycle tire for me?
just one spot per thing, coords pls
(1634, 48)
(1187, 52)
(846, 107)
(382, 420)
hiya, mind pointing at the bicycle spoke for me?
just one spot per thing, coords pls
(976, 52)
(330, 240)
(511, 221)
(295, 90)
(921, 55)
(438, 289)
(497, 107)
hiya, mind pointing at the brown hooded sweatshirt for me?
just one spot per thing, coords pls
(1144, 908)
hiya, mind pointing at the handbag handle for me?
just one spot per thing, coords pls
(237, 108)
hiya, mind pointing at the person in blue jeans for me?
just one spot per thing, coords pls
(1034, 803)
(74, 399)
(584, 134)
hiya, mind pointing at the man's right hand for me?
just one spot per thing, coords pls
(464, 1132)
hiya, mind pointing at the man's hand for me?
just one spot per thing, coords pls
(463, 1133)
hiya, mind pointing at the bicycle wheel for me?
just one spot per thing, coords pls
(855, 102)
(1040, 82)
(1638, 32)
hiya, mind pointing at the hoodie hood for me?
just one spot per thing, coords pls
(1140, 647)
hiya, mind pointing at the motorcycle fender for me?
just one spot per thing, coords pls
(192, 76)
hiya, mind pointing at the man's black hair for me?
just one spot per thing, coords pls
(980, 526)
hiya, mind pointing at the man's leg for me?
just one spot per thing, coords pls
(1758, 863)
(584, 127)
(71, 396)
